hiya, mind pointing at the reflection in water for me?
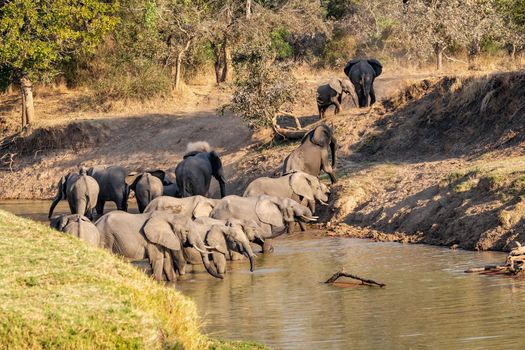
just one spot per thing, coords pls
(38, 209)
(429, 303)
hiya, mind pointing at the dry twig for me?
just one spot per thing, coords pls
(364, 281)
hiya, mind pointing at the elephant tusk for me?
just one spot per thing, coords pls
(313, 218)
(200, 250)
(323, 202)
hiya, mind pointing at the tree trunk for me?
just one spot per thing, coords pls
(178, 64)
(217, 55)
(513, 52)
(225, 59)
(248, 9)
(474, 50)
(27, 99)
(438, 50)
(24, 119)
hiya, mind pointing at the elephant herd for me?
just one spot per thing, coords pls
(178, 224)
(362, 73)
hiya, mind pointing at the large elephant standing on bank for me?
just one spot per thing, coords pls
(193, 174)
(81, 192)
(113, 187)
(312, 155)
(274, 215)
(362, 74)
(160, 237)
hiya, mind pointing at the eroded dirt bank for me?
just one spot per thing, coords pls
(440, 162)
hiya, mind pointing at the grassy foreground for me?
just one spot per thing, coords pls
(57, 292)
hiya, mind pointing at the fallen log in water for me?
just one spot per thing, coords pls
(514, 263)
(364, 281)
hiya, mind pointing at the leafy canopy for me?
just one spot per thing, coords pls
(35, 35)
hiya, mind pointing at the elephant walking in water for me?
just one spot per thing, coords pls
(113, 187)
(193, 174)
(362, 74)
(147, 187)
(81, 192)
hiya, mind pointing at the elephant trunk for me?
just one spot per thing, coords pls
(55, 202)
(250, 254)
(333, 148)
(206, 262)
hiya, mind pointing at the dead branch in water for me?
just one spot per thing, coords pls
(514, 263)
(364, 281)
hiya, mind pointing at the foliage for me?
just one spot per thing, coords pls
(36, 35)
(262, 92)
(280, 45)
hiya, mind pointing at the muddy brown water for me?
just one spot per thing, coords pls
(428, 303)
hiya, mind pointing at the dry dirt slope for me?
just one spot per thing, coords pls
(442, 163)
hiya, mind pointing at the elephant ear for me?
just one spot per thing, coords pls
(321, 135)
(159, 231)
(269, 212)
(350, 64)
(216, 239)
(160, 174)
(336, 85)
(132, 179)
(203, 208)
(302, 186)
(378, 68)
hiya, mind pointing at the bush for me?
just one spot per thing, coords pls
(261, 92)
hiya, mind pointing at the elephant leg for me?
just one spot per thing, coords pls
(372, 95)
(302, 225)
(327, 167)
(321, 111)
(156, 259)
(267, 246)
(168, 266)
(100, 206)
(180, 261)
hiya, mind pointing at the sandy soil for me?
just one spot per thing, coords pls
(439, 161)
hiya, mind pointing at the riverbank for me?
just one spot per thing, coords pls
(58, 292)
(439, 160)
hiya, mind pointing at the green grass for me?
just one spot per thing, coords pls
(58, 293)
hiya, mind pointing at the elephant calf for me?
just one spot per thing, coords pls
(81, 192)
(147, 187)
(299, 186)
(78, 226)
(332, 94)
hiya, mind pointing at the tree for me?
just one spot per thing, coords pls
(513, 19)
(435, 25)
(37, 35)
(181, 22)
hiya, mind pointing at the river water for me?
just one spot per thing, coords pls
(428, 303)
